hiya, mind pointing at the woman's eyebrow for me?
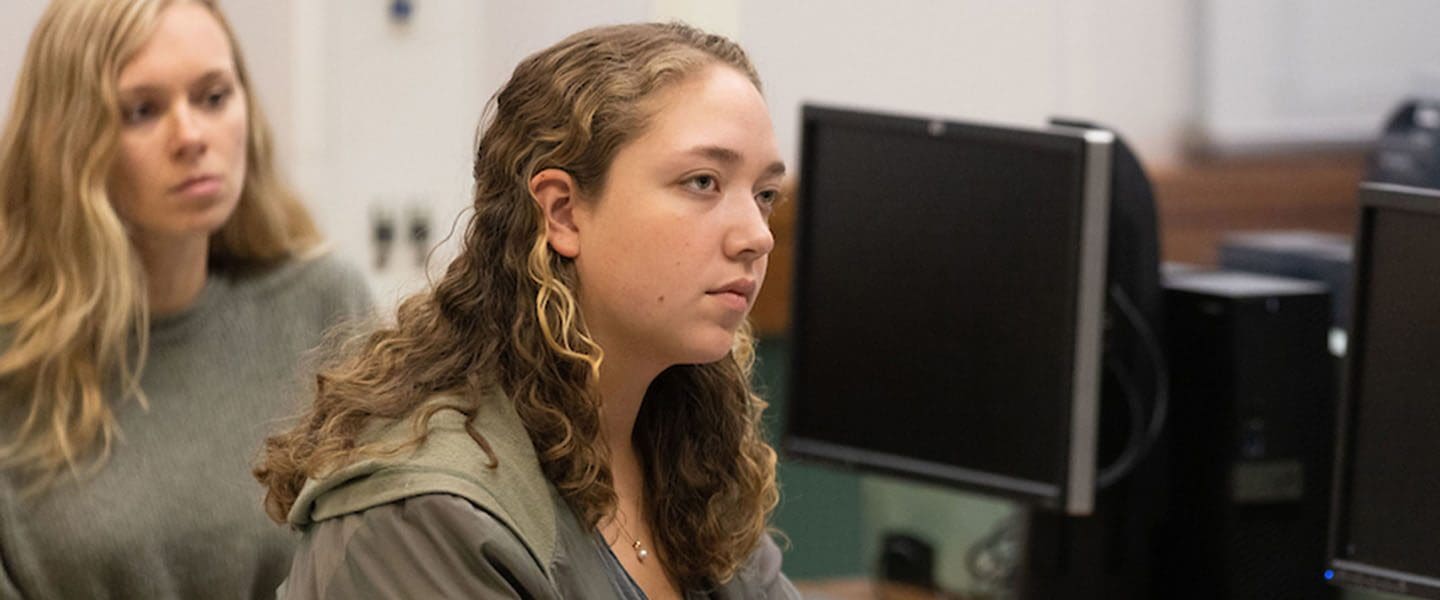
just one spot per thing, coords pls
(729, 157)
(212, 77)
(146, 88)
(718, 154)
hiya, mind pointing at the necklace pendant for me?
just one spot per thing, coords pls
(640, 551)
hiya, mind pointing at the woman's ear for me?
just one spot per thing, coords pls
(554, 190)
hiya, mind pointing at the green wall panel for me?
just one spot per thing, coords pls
(819, 506)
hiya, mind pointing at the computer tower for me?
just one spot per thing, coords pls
(1251, 432)
(1311, 255)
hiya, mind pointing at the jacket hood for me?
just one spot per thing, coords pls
(449, 461)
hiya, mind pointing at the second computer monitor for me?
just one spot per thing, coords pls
(1385, 531)
(949, 301)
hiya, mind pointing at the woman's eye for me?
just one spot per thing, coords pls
(217, 98)
(138, 113)
(768, 197)
(701, 183)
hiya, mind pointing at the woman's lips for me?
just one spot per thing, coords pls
(732, 300)
(198, 187)
(736, 294)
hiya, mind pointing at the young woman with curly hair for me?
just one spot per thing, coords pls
(567, 413)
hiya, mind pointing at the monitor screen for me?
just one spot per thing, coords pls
(1386, 531)
(948, 298)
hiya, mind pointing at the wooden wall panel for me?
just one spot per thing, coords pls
(1200, 202)
(771, 314)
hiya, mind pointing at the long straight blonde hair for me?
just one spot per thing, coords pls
(74, 318)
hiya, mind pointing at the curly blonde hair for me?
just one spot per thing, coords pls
(72, 290)
(506, 314)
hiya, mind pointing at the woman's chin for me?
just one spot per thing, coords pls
(712, 350)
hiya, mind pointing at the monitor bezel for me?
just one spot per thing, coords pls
(1076, 493)
(1372, 199)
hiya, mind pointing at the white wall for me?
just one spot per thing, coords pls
(514, 29)
(393, 129)
(17, 19)
(372, 114)
(1274, 75)
(386, 113)
(1121, 62)
(265, 38)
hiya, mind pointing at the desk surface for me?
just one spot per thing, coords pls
(865, 589)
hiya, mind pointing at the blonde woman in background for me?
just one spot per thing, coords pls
(568, 412)
(158, 286)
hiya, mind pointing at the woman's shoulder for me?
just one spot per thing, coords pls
(320, 280)
(502, 475)
(320, 269)
(427, 546)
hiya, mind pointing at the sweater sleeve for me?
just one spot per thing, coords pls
(429, 546)
(7, 586)
(344, 293)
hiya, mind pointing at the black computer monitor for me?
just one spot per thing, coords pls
(948, 302)
(1385, 528)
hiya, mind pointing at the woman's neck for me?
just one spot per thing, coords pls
(175, 271)
(622, 389)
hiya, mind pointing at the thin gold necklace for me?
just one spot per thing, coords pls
(640, 551)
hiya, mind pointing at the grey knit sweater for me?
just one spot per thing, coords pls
(175, 512)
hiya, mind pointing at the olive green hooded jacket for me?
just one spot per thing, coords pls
(438, 522)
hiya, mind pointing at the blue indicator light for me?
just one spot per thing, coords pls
(1329, 574)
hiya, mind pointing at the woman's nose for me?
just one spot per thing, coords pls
(749, 237)
(187, 132)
